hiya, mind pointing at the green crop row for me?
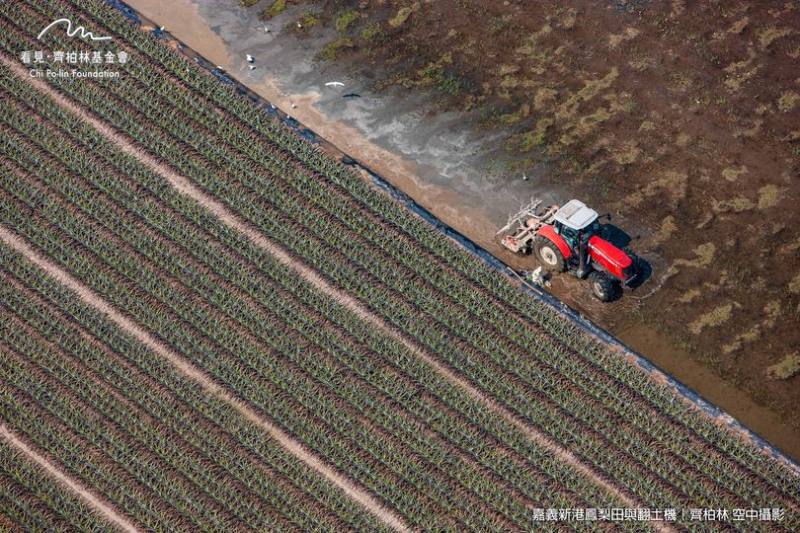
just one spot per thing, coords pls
(35, 502)
(215, 439)
(173, 462)
(21, 186)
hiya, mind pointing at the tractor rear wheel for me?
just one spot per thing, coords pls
(549, 254)
(603, 287)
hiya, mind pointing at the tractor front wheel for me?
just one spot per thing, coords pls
(603, 287)
(549, 254)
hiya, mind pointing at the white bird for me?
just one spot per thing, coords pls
(524, 177)
(250, 58)
(299, 25)
(294, 106)
(252, 67)
(334, 84)
(266, 29)
(161, 28)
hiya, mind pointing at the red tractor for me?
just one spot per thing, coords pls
(569, 238)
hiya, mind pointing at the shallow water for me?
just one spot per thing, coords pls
(444, 166)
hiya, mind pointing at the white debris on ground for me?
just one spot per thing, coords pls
(250, 59)
(539, 277)
(334, 84)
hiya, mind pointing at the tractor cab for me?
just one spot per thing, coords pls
(573, 220)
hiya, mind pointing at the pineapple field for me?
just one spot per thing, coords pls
(208, 323)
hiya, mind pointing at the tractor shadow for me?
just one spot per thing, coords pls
(622, 240)
(616, 236)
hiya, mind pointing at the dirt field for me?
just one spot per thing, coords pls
(680, 119)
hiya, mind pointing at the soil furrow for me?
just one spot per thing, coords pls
(197, 375)
(107, 511)
(184, 186)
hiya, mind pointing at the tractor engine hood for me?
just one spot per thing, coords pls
(611, 259)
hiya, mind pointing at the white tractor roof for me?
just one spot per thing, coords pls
(574, 214)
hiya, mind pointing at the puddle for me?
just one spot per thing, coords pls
(443, 165)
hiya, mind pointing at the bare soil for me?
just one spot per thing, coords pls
(679, 118)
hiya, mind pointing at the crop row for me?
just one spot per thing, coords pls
(216, 446)
(646, 456)
(632, 410)
(21, 185)
(211, 497)
(33, 501)
(152, 457)
(295, 403)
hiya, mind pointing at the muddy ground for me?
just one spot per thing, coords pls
(680, 119)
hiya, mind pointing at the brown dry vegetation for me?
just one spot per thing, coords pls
(682, 118)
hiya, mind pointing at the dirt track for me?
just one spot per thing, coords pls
(186, 187)
(107, 511)
(206, 382)
(350, 488)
